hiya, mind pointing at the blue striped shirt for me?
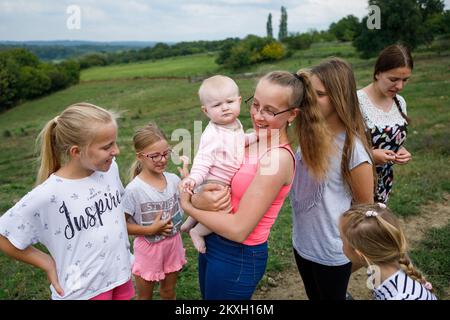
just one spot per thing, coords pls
(400, 286)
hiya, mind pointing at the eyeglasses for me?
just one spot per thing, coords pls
(264, 112)
(156, 157)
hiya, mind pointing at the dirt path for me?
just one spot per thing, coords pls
(289, 286)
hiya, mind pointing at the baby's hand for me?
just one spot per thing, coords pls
(187, 185)
(184, 170)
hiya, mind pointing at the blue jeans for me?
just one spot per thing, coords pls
(230, 270)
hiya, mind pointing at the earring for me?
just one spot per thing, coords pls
(289, 124)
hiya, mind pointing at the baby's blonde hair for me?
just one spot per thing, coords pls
(215, 83)
(76, 125)
(142, 138)
(373, 230)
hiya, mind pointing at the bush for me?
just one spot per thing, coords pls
(273, 51)
(299, 41)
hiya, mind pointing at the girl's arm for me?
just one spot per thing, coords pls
(36, 258)
(362, 183)
(163, 227)
(257, 199)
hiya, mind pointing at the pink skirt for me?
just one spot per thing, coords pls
(152, 261)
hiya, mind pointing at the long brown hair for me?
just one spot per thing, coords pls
(392, 57)
(142, 138)
(76, 125)
(310, 126)
(378, 237)
(338, 79)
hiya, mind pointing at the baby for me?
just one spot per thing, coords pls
(221, 148)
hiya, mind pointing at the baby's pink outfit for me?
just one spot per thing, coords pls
(220, 153)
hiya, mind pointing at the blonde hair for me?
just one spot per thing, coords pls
(373, 230)
(310, 126)
(215, 83)
(142, 138)
(76, 125)
(338, 79)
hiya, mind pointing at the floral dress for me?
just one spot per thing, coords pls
(388, 131)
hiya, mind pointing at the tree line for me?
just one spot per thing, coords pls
(412, 22)
(23, 76)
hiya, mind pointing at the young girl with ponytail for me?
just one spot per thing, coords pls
(372, 237)
(328, 179)
(153, 215)
(75, 210)
(237, 249)
(384, 112)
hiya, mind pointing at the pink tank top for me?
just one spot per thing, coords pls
(239, 184)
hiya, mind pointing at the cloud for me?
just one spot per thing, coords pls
(162, 20)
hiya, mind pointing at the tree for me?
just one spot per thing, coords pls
(283, 33)
(405, 21)
(269, 26)
(345, 29)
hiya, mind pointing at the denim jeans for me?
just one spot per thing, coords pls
(230, 270)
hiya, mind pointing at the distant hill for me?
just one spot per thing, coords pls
(64, 49)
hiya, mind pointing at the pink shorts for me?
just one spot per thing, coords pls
(123, 292)
(152, 261)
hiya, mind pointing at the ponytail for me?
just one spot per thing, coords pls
(135, 169)
(312, 131)
(399, 107)
(410, 270)
(48, 156)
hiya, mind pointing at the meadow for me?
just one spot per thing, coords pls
(160, 91)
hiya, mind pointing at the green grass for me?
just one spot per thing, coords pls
(173, 103)
(433, 258)
(194, 65)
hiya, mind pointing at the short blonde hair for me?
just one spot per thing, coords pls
(215, 83)
(76, 125)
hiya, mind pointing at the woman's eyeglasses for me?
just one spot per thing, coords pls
(156, 157)
(264, 112)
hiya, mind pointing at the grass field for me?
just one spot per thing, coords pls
(173, 103)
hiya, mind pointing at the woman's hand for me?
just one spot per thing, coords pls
(213, 197)
(402, 156)
(383, 156)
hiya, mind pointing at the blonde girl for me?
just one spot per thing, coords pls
(372, 237)
(153, 215)
(321, 193)
(75, 210)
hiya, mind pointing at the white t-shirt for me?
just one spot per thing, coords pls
(143, 202)
(317, 206)
(81, 223)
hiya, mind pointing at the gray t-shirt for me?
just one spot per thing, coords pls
(143, 202)
(318, 206)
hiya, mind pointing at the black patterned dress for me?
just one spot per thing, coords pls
(388, 131)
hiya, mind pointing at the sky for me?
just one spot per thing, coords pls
(165, 20)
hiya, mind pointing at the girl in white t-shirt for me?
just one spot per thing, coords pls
(154, 215)
(75, 210)
(372, 237)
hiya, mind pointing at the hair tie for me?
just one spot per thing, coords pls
(55, 119)
(381, 205)
(371, 213)
(297, 76)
